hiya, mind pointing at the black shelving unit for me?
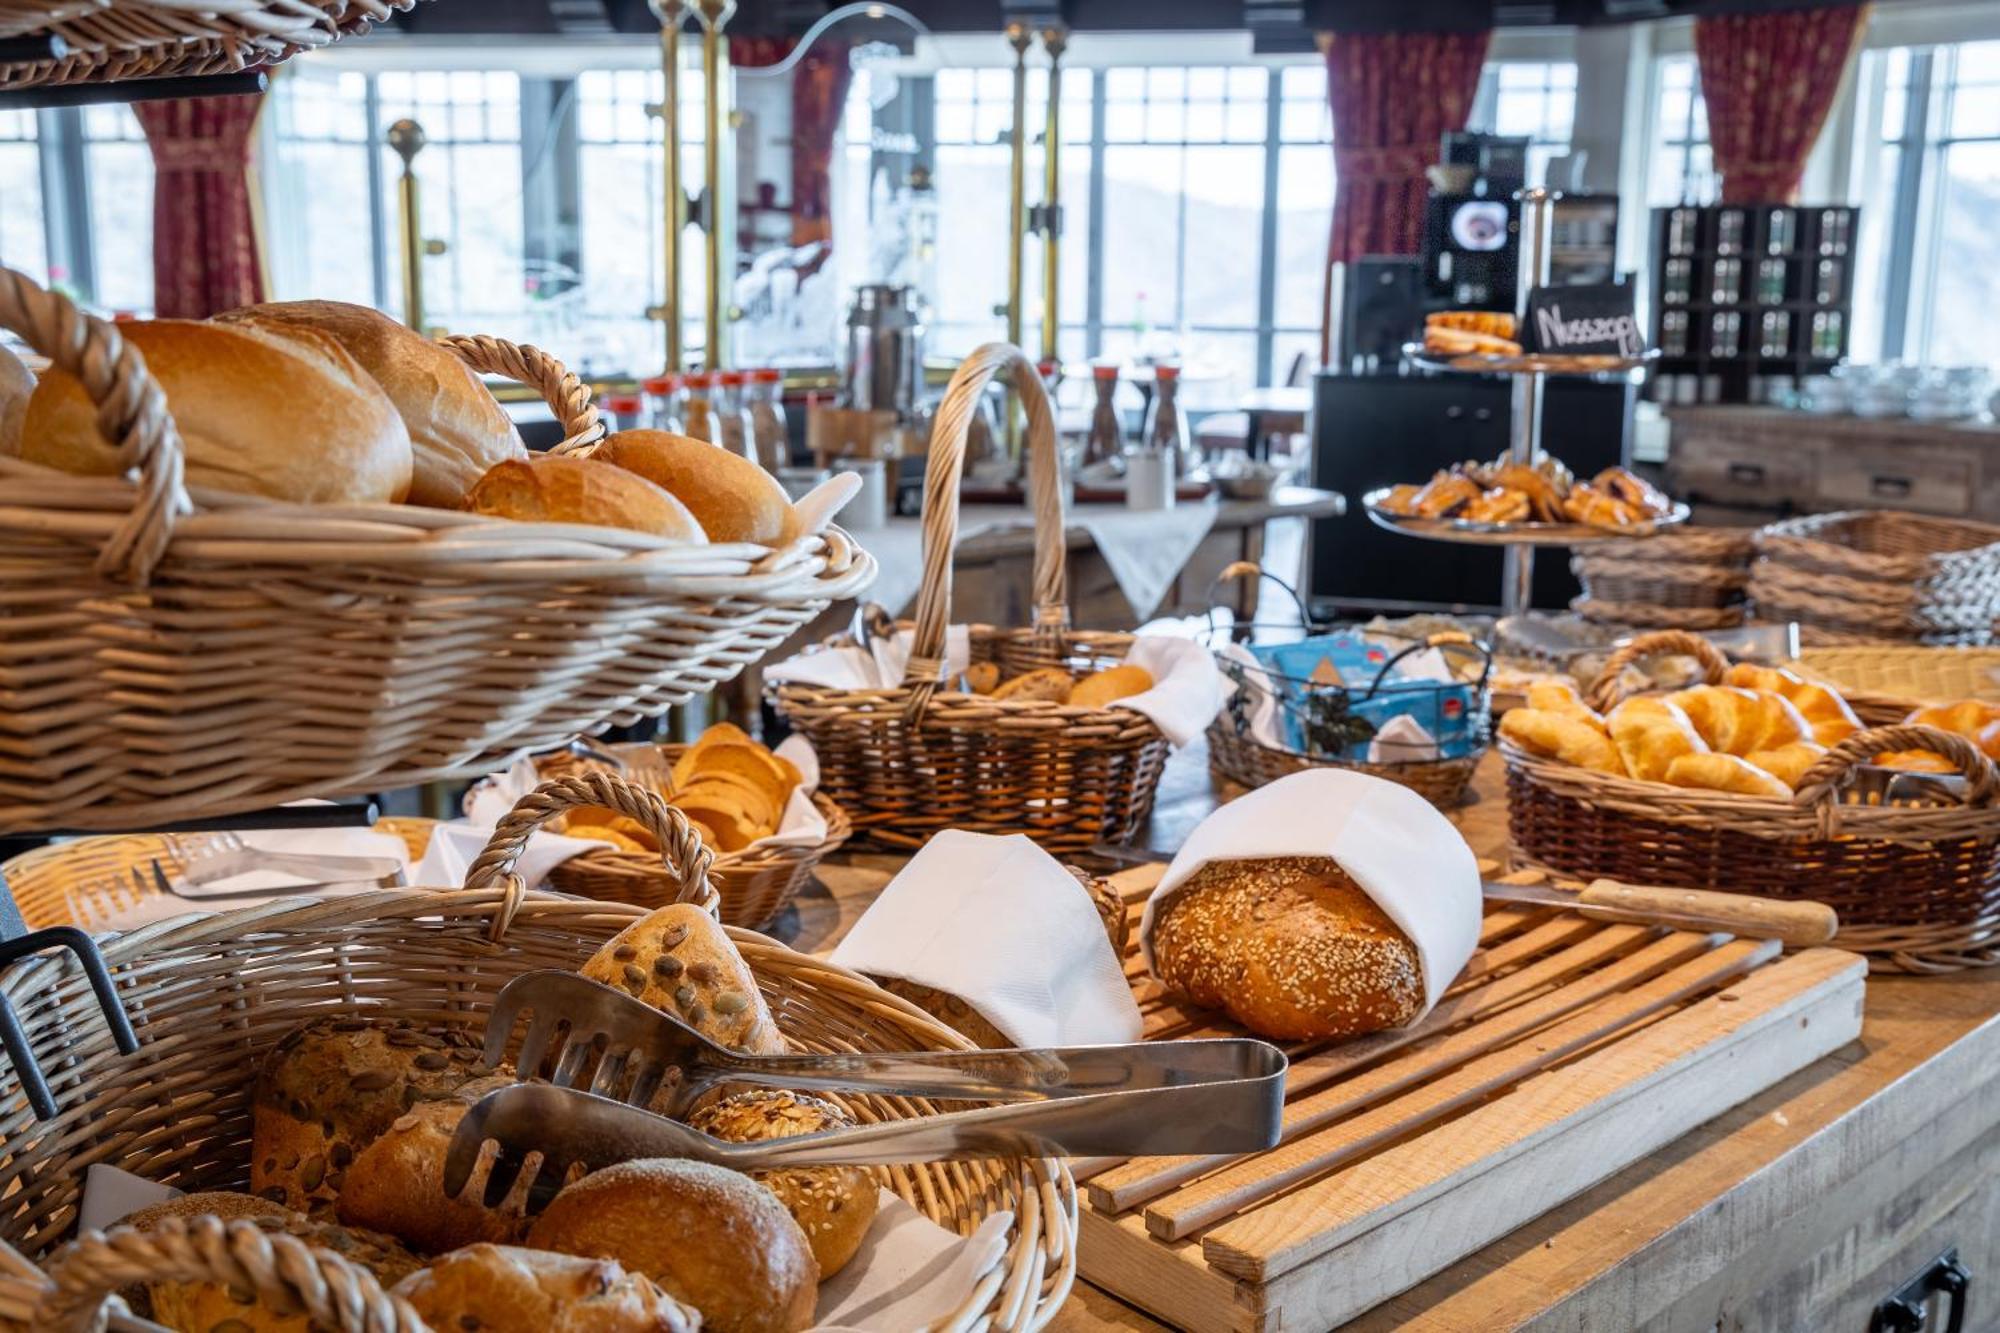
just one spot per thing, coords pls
(1747, 295)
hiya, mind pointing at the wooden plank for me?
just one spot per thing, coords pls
(1548, 1139)
(1171, 1281)
(1443, 1091)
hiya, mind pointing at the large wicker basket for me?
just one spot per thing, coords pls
(150, 39)
(166, 654)
(909, 760)
(1885, 682)
(207, 994)
(1687, 578)
(1246, 761)
(1917, 887)
(1879, 574)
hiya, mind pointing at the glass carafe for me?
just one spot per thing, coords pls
(732, 421)
(662, 410)
(765, 397)
(1104, 446)
(698, 407)
(1166, 430)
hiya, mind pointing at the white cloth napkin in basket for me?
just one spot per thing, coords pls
(999, 923)
(878, 667)
(1393, 843)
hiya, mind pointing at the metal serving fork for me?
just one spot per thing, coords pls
(213, 856)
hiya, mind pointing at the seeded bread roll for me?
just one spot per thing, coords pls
(833, 1205)
(396, 1183)
(328, 1088)
(1290, 947)
(680, 960)
(503, 1289)
(711, 1237)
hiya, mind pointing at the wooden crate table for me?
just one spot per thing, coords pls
(1800, 1208)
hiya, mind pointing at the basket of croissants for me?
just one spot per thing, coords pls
(299, 550)
(303, 1065)
(1761, 781)
(1027, 741)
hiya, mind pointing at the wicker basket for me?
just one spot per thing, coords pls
(150, 39)
(1685, 568)
(1879, 574)
(209, 993)
(1248, 762)
(1917, 888)
(910, 760)
(755, 884)
(161, 659)
(1887, 682)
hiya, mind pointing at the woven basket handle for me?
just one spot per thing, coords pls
(680, 846)
(283, 1271)
(131, 415)
(567, 396)
(941, 481)
(1820, 781)
(1605, 693)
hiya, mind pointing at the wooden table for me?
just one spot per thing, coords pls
(1800, 1209)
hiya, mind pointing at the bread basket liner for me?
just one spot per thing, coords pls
(1394, 844)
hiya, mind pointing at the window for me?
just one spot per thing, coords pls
(321, 184)
(1680, 168)
(23, 241)
(118, 167)
(1304, 204)
(1532, 98)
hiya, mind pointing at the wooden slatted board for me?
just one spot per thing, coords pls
(1567, 1050)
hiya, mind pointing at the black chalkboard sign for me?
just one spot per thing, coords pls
(1593, 320)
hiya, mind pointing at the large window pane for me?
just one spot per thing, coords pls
(1968, 284)
(23, 240)
(120, 171)
(316, 134)
(1305, 212)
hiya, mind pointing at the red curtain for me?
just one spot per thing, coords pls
(204, 243)
(1769, 80)
(819, 97)
(1392, 96)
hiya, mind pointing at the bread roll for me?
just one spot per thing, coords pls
(1915, 761)
(711, 1237)
(1739, 722)
(732, 498)
(1110, 685)
(1046, 685)
(680, 960)
(1290, 947)
(1789, 764)
(505, 1289)
(555, 488)
(457, 429)
(1650, 734)
(1562, 736)
(17, 385)
(1831, 720)
(209, 1306)
(833, 1205)
(329, 1087)
(982, 677)
(1726, 772)
(225, 1204)
(278, 417)
(396, 1183)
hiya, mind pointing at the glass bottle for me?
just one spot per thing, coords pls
(732, 421)
(698, 406)
(662, 408)
(1166, 430)
(1105, 444)
(625, 410)
(765, 398)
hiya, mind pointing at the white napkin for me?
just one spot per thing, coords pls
(1188, 691)
(909, 1272)
(998, 923)
(1394, 844)
(1402, 740)
(111, 1195)
(1264, 725)
(879, 668)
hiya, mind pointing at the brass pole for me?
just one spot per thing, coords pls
(714, 67)
(671, 13)
(407, 138)
(1056, 39)
(1017, 181)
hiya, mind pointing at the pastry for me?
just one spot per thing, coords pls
(833, 1205)
(17, 385)
(1109, 685)
(396, 1184)
(288, 419)
(1726, 772)
(555, 488)
(1651, 733)
(1445, 496)
(1587, 504)
(1628, 489)
(457, 429)
(709, 1236)
(1788, 763)
(1498, 506)
(1544, 497)
(1559, 696)
(982, 677)
(1976, 721)
(1290, 947)
(680, 960)
(1402, 498)
(1739, 722)
(1046, 685)
(506, 1289)
(1915, 761)
(1831, 720)
(1562, 736)
(1493, 323)
(732, 498)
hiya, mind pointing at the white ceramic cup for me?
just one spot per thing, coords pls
(869, 508)
(1149, 480)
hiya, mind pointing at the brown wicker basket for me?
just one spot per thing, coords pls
(208, 994)
(909, 760)
(1917, 888)
(167, 654)
(1886, 682)
(1880, 574)
(1695, 568)
(151, 39)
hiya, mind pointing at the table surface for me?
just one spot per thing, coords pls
(1677, 1227)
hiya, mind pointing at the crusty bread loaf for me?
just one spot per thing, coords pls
(1043, 685)
(680, 960)
(331, 1086)
(505, 1289)
(711, 1237)
(285, 418)
(555, 488)
(457, 429)
(17, 385)
(833, 1205)
(1650, 734)
(1563, 736)
(1103, 688)
(732, 498)
(396, 1183)
(1290, 947)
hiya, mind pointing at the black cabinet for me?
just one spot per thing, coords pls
(1377, 430)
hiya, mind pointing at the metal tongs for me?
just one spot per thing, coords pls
(619, 1055)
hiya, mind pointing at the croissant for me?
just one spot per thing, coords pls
(1725, 772)
(1916, 761)
(1739, 722)
(1977, 722)
(1831, 720)
(1651, 734)
(1789, 764)
(1559, 696)
(1560, 736)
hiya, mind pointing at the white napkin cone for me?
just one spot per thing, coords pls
(999, 923)
(880, 667)
(1393, 843)
(1188, 691)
